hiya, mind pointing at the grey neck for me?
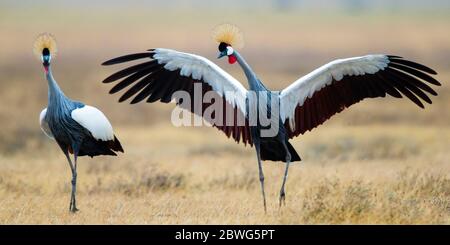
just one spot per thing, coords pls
(55, 94)
(252, 79)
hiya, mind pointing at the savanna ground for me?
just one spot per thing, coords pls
(381, 161)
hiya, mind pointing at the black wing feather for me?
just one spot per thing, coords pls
(416, 73)
(130, 70)
(126, 58)
(413, 65)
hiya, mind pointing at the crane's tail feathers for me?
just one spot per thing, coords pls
(92, 147)
(274, 151)
(116, 146)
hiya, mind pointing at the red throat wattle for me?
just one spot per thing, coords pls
(232, 59)
(46, 69)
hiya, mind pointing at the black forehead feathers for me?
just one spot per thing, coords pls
(45, 52)
(223, 46)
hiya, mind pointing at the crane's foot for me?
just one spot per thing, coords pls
(282, 198)
(74, 209)
(71, 203)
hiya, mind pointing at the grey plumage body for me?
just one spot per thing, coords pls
(69, 134)
(65, 130)
(276, 148)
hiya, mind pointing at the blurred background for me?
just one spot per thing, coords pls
(284, 39)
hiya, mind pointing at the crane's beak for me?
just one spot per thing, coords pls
(46, 64)
(222, 54)
(46, 69)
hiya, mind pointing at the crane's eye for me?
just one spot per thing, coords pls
(230, 50)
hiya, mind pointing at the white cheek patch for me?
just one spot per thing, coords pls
(230, 50)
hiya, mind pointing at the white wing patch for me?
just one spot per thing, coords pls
(44, 125)
(200, 68)
(296, 94)
(95, 121)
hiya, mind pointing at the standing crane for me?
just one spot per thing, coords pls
(78, 129)
(304, 105)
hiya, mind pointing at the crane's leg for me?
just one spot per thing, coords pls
(261, 174)
(288, 161)
(72, 169)
(74, 184)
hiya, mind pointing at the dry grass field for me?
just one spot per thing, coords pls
(393, 175)
(381, 161)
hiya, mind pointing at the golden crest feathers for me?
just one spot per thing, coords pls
(44, 40)
(229, 34)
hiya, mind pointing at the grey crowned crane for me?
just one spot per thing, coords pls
(304, 105)
(77, 128)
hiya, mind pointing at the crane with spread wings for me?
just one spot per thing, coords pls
(305, 104)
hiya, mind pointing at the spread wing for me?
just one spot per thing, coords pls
(314, 98)
(169, 71)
